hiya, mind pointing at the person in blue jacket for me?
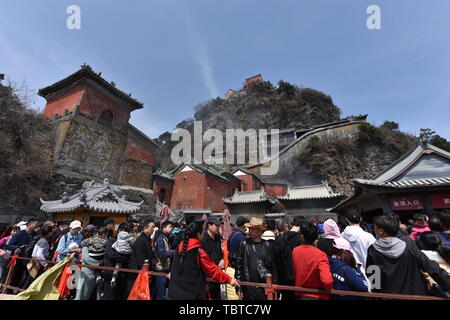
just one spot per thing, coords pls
(346, 274)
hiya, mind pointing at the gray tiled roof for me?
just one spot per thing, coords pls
(407, 183)
(322, 191)
(96, 197)
(406, 162)
(247, 197)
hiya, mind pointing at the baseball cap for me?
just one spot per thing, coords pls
(89, 227)
(213, 220)
(341, 243)
(75, 224)
(240, 221)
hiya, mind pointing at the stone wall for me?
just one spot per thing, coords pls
(89, 150)
(137, 173)
(291, 171)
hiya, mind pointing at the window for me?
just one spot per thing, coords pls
(162, 195)
(106, 118)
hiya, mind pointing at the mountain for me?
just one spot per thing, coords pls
(326, 147)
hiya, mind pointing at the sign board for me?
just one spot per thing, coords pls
(406, 203)
(440, 201)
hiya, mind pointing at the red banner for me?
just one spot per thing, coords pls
(406, 203)
(440, 201)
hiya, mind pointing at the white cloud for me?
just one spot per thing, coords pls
(202, 54)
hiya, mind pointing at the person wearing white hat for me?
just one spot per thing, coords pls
(65, 246)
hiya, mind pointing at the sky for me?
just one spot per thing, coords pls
(174, 54)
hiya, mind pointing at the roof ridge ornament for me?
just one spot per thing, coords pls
(65, 197)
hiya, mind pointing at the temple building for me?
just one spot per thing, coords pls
(195, 189)
(285, 202)
(92, 205)
(417, 182)
(198, 190)
(93, 137)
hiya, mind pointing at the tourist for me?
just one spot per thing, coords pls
(431, 245)
(346, 273)
(435, 224)
(117, 289)
(420, 225)
(65, 241)
(256, 260)
(359, 240)
(271, 232)
(40, 251)
(56, 236)
(230, 291)
(282, 228)
(123, 246)
(178, 238)
(17, 244)
(211, 243)
(311, 266)
(93, 252)
(237, 236)
(5, 254)
(163, 260)
(425, 264)
(8, 235)
(444, 217)
(398, 266)
(142, 250)
(330, 232)
(191, 266)
(110, 226)
(283, 247)
(96, 248)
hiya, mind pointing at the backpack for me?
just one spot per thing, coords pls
(28, 251)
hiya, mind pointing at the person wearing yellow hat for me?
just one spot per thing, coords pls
(255, 260)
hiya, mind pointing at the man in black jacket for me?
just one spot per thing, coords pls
(112, 257)
(255, 261)
(211, 243)
(283, 247)
(426, 265)
(398, 264)
(17, 244)
(142, 250)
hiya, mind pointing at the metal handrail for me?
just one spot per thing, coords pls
(271, 289)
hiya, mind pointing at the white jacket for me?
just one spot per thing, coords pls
(360, 241)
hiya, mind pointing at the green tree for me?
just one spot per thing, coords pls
(390, 125)
(286, 87)
(426, 134)
(440, 142)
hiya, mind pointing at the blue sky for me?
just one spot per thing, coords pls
(174, 54)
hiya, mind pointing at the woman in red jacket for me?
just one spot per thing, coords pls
(311, 266)
(191, 266)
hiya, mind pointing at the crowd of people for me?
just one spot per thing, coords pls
(385, 256)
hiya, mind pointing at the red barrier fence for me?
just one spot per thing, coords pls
(271, 289)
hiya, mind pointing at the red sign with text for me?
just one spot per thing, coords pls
(406, 203)
(440, 201)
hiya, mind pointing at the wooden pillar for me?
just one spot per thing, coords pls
(385, 205)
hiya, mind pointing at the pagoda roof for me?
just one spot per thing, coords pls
(97, 197)
(86, 72)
